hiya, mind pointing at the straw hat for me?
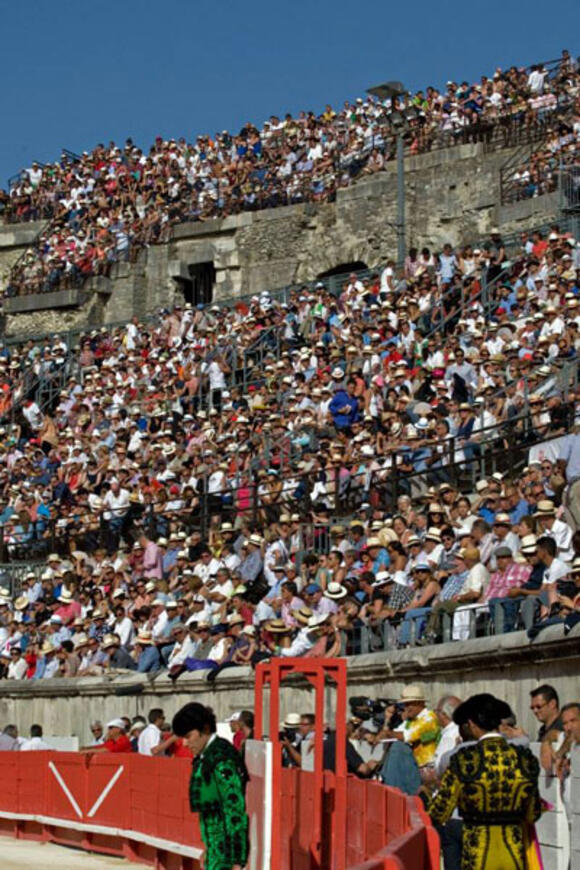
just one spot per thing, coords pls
(335, 591)
(21, 603)
(80, 639)
(545, 508)
(317, 620)
(110, 640)
(277, 626)
(528, 544)
(411, 693)
(144, 637)
(302, 615)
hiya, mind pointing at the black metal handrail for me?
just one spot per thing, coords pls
(382, 487)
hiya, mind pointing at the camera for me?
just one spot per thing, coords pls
(374, 708)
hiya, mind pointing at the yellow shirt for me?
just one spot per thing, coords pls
(422, 733)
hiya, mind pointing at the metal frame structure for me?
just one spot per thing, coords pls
(318, 673)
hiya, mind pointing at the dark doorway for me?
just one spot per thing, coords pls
(343, 269)
(198, 288)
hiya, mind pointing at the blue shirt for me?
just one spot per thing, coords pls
(570, 454)
(340, 400)
(522, 509)
(382, 561)
(149, 660)
(453, 586)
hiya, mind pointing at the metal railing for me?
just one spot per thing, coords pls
(513, 187)
(503, 447)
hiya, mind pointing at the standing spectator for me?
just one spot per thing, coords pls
(150, 737)
(35, 742)
(116, 739)
(545, 705)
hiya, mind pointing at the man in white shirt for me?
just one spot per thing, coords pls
(449, 730)
(150, 737)
(35, 743)
(18, 666)
(556, 529)
(556, 569)
(116, 502)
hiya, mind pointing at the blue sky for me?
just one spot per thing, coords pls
(78, 73)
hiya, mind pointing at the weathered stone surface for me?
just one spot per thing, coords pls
(508, 665)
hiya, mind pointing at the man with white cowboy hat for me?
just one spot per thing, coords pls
(148, 660)
(433, 548)
(69, 609)
(253, 563)
(47, 664)
(555, 528)
(290, 740)
(117, 656)
(420, 728)
(116, 739)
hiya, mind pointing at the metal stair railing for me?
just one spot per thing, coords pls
(512, 189)
(383, 486)
(485, 295)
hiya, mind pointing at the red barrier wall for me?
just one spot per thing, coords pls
(137, 807)
(122, 804)
(383, 825)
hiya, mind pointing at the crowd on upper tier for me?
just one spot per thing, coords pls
(225, 483)
(110, 202)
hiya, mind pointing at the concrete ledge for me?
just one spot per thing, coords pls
(42, 301)
(508, 665)
(18, 235)
(526, 211)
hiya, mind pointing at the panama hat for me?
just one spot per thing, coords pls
(277, 626)
(411, 693)
(302, 615)
(335, 591)
(144, 637)
(528, 544)
(110, 640)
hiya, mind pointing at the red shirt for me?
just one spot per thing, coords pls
(180, 750)
(121, 744)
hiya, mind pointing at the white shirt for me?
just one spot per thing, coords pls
(118, 504)
(556, 571)
(34, 744)
(476, 580)
(216, 377)
(303, 642)
(149, 738)
(125, 630)
(447, 742)
(17, 669)
(562, 535)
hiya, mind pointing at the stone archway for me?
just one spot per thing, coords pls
(342, 269)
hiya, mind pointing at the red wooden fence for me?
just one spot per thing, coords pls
(137, 807)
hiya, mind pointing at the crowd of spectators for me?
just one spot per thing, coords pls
(559, 156)
(111, 202)
(199, 519)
